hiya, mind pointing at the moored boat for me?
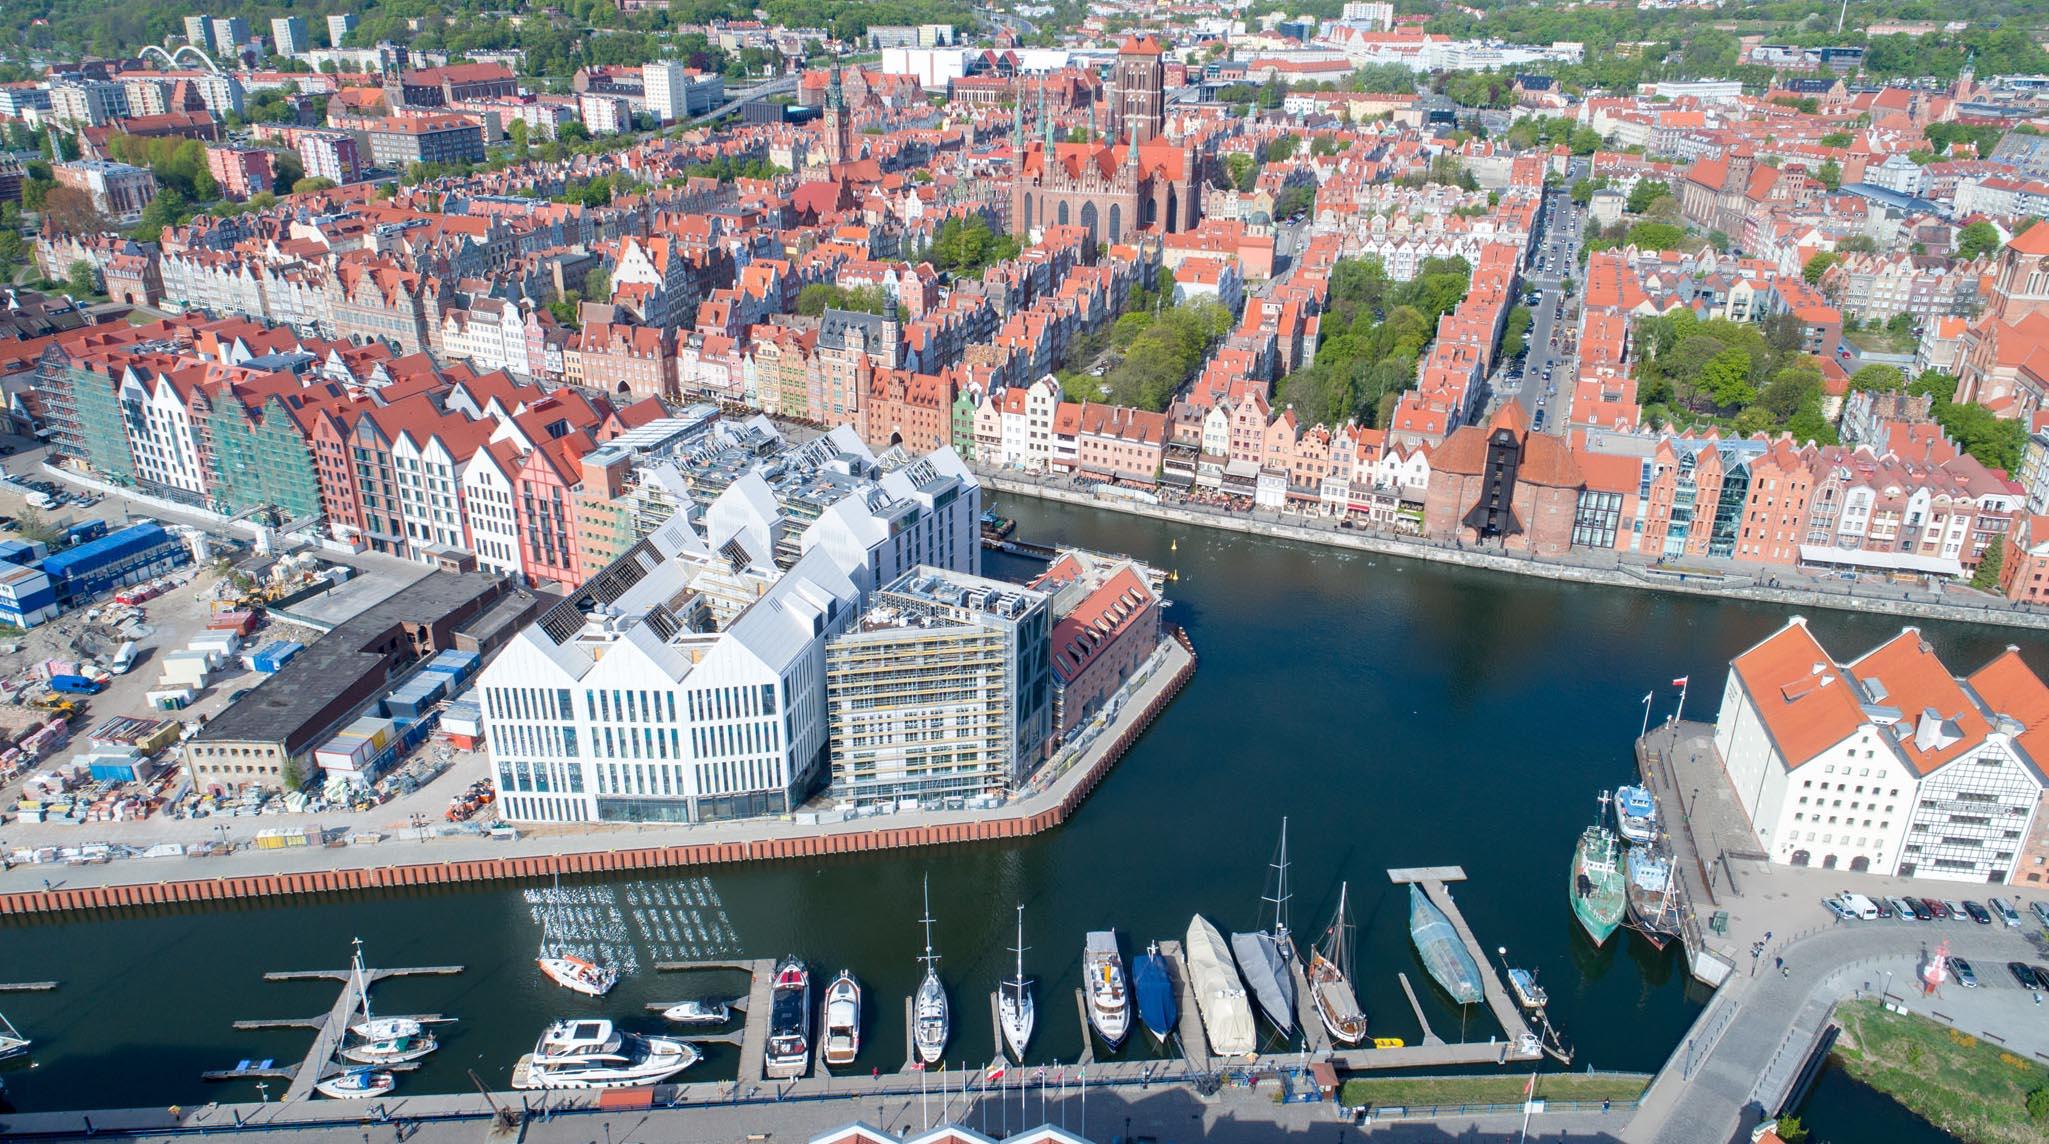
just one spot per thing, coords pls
(356, 1084)
(1652, 895)
(1597, 890)
(1153, 981)
(1263, 955)
(1636, 814)
(789, 1020)
(1443, 954)
(1109, 998)
(1330, 979)
(1219, 995)
(392, 1051)
(593, 1053)
(931, 1020)
(1015, 1009)
(1527, 992)
(12, 1043)
(698, 1012)
(842, 1020)
(373, 1028)
(578, 975)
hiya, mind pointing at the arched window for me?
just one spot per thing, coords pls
(1028, 212)
(1063, 212)
(1116, 222)
(1088, 220)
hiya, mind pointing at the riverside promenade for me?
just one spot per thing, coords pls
(1769, 584)
(1063, 785)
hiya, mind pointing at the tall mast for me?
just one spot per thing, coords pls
(1020, 948)
(929, 957)
(1280, 898)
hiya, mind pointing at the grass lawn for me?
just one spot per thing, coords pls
(1501, 1088)
(1881, 342)
(1971, 1089)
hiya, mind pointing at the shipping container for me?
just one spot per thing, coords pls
(83, 531)
(275, 655)
(171, 699)
(280, 837)
(241, 623)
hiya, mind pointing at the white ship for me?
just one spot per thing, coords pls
(1015, 1009)
(931, 1023)
(1219, 995)
(1108, 992)
(356, 1084)
(393, 1051)
(698, 1013)
(594, 1054)
(842, 1020)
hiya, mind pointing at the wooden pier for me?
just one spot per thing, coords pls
(754, 1010)
(1088, 1031)
(28, 987)
(1521, 1043)
(1313, 1033)
(330, 1029)
(1429, 1037)
(1194, 1042)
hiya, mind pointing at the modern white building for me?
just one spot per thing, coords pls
(1888, 763)
(288, 35)
(686, 681)
(339, 25)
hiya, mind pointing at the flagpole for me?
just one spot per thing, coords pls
(1685, 682)
(1646, 716)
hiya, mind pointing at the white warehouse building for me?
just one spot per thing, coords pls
(686, 681)
(1888, 763)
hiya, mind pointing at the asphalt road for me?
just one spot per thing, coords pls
(1556, 260)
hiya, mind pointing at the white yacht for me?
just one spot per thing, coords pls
(1015, 1009)
(931, 1023)
(579, 976)
(1109, 994)
(698, 1013)
(356, 1084)
(842, 1019)
(1219, 995)
(594, 1054)
(393, 1051)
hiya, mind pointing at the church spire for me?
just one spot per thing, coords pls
(1092, 121)
(1017, 134)
(1045, 120)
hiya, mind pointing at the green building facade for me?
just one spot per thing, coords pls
(259, 458)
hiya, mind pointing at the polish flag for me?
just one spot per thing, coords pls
(1681, 681)
(996, 1072)
(917, 1066)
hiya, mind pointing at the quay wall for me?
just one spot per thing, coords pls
(1622, 575)
(1037, 815)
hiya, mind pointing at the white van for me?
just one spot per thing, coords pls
(1859, 906)
(124, 658)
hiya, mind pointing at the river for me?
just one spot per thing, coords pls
(1395, 713)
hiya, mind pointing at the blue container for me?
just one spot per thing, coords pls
(275, 655)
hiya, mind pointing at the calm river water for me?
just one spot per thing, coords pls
(1397, 714)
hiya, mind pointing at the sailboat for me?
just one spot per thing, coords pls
(1263, 955)
(1157, 1005)
(1014, 1001)
(574, 973)
(930, 1024)
(1443, 953)
(377, 1029)
(12, 1043)
(356, 1084)
(1219, 999)
(1330, 979)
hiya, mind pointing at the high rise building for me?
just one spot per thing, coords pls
(940, 690)
(838, 125)
(665, 85)
(339, 26)
(229, 34)
(288, 36)
(199, 32)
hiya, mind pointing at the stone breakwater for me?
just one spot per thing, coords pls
(1727, 586)
(590, 853)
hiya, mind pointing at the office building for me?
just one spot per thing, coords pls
(685, 681)
(399, 143)
(1887, 763)
(941, 690)
(118, 190)
(339, 26)
(288, 36)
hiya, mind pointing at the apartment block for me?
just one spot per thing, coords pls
(398, 143)
(330, 155)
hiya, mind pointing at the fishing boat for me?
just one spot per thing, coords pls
(698, 1013)
(12, 1043)
(931, 1024)
(789, 1020)
(842, 1019)
(356, 1084)
(1330, 979)
(1528, 993)
(372, 1028)
(1636, 814)
(1219, 996)
(1015, 1010)
(1443, 954)
(1154, 983)
(395, 1051)
(1263, 955)
(1598, 900)
(593, 1053)
(1109, 997)
(1652, 895)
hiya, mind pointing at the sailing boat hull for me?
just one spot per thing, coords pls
(1157, 1005)
(1443, 953)
(1337, 1006)
(1018, 1015)
(1266, 972)
(933, 1024)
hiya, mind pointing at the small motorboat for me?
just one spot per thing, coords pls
(396, 1051)
(1527, 992)
(579, 976)
(699, 1013)
(357, 1084)
(387, 1028)
(842, 1020)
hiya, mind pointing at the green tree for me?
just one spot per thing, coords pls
(313, 185)
(1977, 239)
(1282, 149)
(516, 134)
(1829, 174)
(1986, 579)
(1792, 1131)
(1725, 379)
(1877, 378)
(1515, 330)
(1655, 236)
(1818, 266)
(1243, 170)
(1646, 192)
(81, 280)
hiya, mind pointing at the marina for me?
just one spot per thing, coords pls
(330, 1029)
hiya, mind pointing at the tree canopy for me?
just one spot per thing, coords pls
(1373, 333)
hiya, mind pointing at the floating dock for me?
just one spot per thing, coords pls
(753, 1009)
(329, 1028)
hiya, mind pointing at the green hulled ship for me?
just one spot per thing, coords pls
(1598, 900)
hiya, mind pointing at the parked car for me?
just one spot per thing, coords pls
(1921, 911)
(1965, 975)
(1836, 907)
(1935, 907)
(2041, 911)
(1884, 907)
(2006, 913)
(2041, 977)
(1904, 909)
(2021, 973)
(1955, 908)
(1978, 913)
